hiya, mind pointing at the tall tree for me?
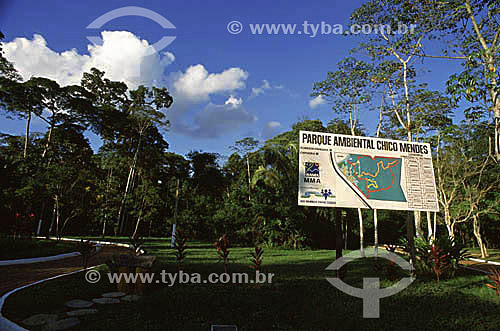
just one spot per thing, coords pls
(348, 90)
(244, 147)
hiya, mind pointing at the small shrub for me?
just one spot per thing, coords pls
(87, 249)
(137, 243)
(256, 258)
(222, 246)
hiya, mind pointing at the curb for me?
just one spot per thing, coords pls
(483, 261)
(7, 325)
(98, 242)
(39, 259)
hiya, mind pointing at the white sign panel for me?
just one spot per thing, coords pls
(361, 172)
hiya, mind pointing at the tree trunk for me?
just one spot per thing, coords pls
(418, 224)
(176, 200)
(346, 222)
(410, 233)
(27, 135)
(248, 173)
(361, 237)
(139, 218)
(124, 199)
(434, 230)
(497, 136)
(449, 225)
(338, 241)
(49, 138)
(477, 233)
(375, 225)
(58, 215)
(110, 174)
(40, 219)
(429, 225)
(51, 228)
(130, 179)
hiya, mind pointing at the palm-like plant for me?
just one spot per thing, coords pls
(180, 248)
(256, 258)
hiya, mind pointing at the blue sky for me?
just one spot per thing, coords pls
(225, 86)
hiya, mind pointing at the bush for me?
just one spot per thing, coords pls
(440, 257)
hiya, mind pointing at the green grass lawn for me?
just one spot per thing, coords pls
(11, 249)
(299, 297)
(494, 254)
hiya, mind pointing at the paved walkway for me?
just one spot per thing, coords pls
(12, 277)
(480, 266)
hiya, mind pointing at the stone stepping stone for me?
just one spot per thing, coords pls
(77, 303)
(39, 319)
(63, 324)
(131, 298)
(105, 301)
(113, 295)
(81, 312)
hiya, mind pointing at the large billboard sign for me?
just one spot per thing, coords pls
(361, 172)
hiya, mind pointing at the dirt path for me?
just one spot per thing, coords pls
(12, 277)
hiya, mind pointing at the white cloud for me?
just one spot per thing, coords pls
(319, 100)
(271, 129)
(234, 102)
(197, 84)
(122, 56)
(273, 124)
(262, 89)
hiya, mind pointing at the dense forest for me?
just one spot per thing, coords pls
(54, 183)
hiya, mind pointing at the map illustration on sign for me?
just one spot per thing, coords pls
(378, 177)
(337, 170)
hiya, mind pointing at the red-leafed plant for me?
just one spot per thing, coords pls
(494, 280)
(222, 246)
(438, 260)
